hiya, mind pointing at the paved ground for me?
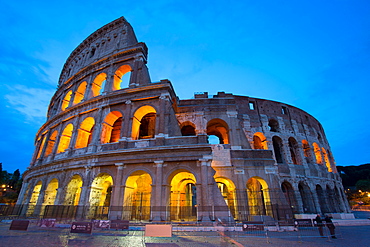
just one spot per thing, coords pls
(37, 236)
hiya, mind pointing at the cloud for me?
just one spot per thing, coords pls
(31, 102)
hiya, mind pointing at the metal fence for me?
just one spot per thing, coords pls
(146, 213)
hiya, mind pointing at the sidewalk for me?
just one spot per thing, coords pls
(38, 236)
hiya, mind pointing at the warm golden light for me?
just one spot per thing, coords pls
(137, 119)
(85, 132)
(65, 139)
(98, 84)
(66, 100)
(118, 75)
(80, 93)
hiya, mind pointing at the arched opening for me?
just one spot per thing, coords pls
(307, 200)
(73, 191)
(138, 192)
(65, 139)
(51, 143)
(294, 151)
(85, 132)
(51, 192)
(111, 127)
(288, 192)
(183, 196)
(97, 86)
(218, 127)
(259, 141)
(277, 143)
(121, 77)
(66, 100)
(80, 93)
(143, 123)
(258, 197)
(322, 201)
(317, 152)
(41, 147)
(274, 125)
(307, 151)
(331, 200)
(188, 129)
(326, 158)
(227, 189)
(34, 198)
(100, 195)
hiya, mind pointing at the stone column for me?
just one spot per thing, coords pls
(157, 204)
(127, 121)
(204, 197)
(117, 194)
(316, 201)
(83, 204)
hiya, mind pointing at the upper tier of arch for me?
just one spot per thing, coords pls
(113, 38)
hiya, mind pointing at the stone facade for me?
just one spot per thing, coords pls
(116, 145)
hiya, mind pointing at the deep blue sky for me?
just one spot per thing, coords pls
(314, 55)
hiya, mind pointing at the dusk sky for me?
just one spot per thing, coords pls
(314, 55)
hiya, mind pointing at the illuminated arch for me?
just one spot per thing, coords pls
(65, 139)
(307, 151)
(101, 189)
(326, 158)
(183, 195)
(218, 127)
(51, 192)
(34, 198)
(259, 141)
(227, 189)
(66, 100)
(41, 147)
(73, 191)
(188, 129)
(317, 152)
(121, 75)
(258, 196)
(138, 192)
(85, 132)
(80, 93)
(111, 127)
(51, 143)
(97, 86)
(143, 123)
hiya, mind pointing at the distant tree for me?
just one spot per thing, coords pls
(15, 178)
(363, 185)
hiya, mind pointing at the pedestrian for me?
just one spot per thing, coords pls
(319, 224)
(330, 225)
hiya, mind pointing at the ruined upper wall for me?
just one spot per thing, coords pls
(112, 38)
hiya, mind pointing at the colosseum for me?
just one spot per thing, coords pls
(116, 145)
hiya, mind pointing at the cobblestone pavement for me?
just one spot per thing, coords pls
(38, 236)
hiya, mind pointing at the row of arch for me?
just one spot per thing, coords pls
(183, 197)
(328, 200)
(321, 155)
(84, 90)
(143, 127)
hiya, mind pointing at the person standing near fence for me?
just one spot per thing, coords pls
(330, 225)
(319, 224)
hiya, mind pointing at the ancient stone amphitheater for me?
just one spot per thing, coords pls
(118, 146)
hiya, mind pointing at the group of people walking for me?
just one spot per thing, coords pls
(329, 225)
